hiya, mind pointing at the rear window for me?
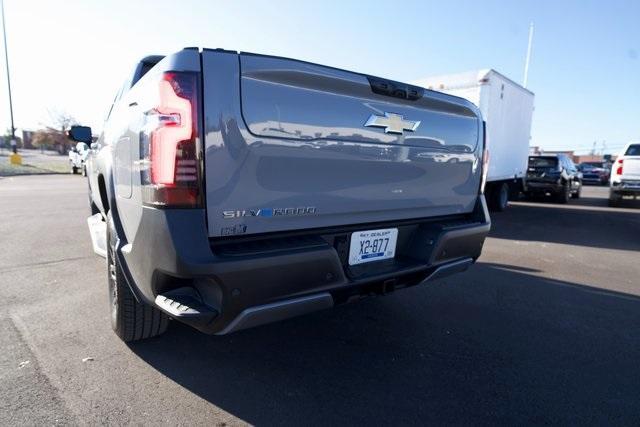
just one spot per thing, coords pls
(543, 162)
(593, 165)
(633, 150)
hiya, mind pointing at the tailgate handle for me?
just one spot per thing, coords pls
(395, 89)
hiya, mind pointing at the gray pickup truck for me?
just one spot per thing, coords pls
(239, 189)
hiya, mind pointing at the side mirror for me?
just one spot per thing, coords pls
(94, 145)
(80, 133)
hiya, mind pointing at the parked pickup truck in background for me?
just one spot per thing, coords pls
(239, 189)
(625, 175)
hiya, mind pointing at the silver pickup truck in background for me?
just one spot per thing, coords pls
(239, 189)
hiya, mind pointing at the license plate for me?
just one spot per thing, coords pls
(372, 245)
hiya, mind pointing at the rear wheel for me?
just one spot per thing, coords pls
(502, 196)
(577, 193)
(499, 197)
(614, 200)
(92, 206)
(564, 194)
(131, 320)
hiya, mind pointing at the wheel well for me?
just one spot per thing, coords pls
(102, 188)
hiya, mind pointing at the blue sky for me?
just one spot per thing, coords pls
(585, 71)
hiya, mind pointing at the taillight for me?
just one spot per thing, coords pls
(170, 145)
(619, 169)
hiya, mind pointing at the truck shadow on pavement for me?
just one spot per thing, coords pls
(497, 344)
(573, 224)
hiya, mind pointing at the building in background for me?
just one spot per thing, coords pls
(569, 153)
(27, 138)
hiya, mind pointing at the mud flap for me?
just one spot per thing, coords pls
(98, 231)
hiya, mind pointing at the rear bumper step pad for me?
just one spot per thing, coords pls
(185, 304)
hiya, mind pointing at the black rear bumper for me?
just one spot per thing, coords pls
(543, 186)
(594, 179)
(626, 188)
(256, 280)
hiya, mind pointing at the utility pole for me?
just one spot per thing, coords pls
(6, 59)
(526, 63)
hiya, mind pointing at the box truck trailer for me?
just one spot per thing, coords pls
(507, 109)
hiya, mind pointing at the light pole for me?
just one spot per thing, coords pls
(6, 58)
(526, 64)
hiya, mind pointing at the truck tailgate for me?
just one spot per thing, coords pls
(286, 147)
(631, 169)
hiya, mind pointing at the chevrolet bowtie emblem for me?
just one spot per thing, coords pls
(392, 123)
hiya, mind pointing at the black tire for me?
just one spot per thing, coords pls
(614, 201)
(130, 320)
(564, 194)
(501, 196)
(578, 193)
(84, 170)
(92, 206)
(74, 170)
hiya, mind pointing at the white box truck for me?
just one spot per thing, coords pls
(507, 109)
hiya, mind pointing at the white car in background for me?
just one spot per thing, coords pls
(77, 157)
(625, 174)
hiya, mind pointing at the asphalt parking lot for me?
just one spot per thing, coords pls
(545, 328)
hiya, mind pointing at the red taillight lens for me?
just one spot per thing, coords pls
(619, 170)
(174, 126)
(169, 144)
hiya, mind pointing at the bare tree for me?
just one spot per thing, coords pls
(54, 134)
(61, 120)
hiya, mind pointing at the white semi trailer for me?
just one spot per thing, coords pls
(507, 109)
